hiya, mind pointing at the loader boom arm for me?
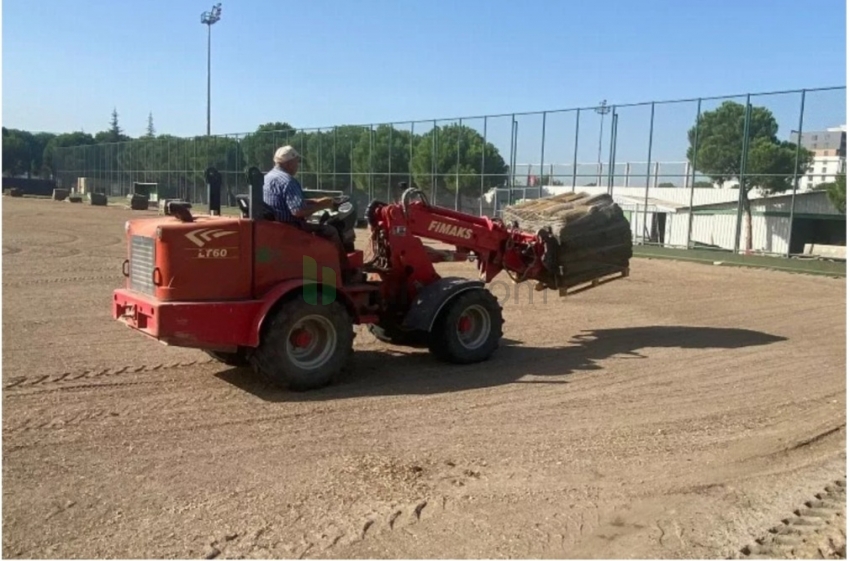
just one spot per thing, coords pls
(398, 230)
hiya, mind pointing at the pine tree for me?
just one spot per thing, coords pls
(151, 131)
(115, 131)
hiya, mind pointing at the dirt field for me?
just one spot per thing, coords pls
(687, 411)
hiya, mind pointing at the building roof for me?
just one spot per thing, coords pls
(811, 202)
(651, 204)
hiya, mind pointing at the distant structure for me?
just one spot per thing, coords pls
(830, 153)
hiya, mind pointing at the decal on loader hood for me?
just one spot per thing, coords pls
(450, 229)
(204, 235)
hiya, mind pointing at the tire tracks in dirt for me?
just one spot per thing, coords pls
(57, 280)
(350, 527)
(61, 379)
(816, 529)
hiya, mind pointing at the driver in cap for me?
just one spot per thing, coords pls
(282, 192)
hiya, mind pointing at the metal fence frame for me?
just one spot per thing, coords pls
(112, 168)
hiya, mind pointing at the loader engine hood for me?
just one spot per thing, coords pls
(207, 259)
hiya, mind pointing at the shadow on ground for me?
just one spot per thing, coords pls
(402, 371)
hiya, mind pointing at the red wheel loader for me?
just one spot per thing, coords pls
(251, 291)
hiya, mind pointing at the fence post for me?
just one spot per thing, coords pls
(410, 160)
(334, 180)
(648, 170)
(390, 166)
(434, 163)
(796, 173)
(612, 158)
(483, 152)
(371, 169)
(693, 170)
(514, 128)
(575, 151)
(542, 157)
(742, 192)
(457, 166)
(319, 160)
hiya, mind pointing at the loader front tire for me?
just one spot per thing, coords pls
(304, 346)
(468, 329)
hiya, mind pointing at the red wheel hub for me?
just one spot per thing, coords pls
(464, 324)
(301, 338)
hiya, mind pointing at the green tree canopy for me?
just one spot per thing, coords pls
(770, 164)
(453, 172)
(387, 158)
(259, 146)
(836, 191)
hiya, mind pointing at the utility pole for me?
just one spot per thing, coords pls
(208, 19)
(603, 110)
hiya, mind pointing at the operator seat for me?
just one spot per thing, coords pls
(244, 203)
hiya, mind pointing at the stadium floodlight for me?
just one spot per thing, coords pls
(603, 110)
(208, 19)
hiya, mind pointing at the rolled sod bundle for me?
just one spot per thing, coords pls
(138, 202)
(97, 199)
(594, 237)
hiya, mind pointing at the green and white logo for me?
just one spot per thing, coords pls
(313, 284)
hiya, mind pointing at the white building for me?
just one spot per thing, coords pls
(668, 216)
(830, 151)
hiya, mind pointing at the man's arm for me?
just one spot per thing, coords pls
(309, 206)
(301, 207)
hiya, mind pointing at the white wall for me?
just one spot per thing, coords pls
(770, 233)
(823, 170)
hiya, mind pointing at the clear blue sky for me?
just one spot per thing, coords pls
(67, 63)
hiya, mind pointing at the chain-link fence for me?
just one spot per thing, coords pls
(726, 172)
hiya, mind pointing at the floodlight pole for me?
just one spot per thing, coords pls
(603, 110)
(208, 19)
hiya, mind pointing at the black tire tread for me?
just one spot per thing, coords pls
(266, 361)
(441, 342)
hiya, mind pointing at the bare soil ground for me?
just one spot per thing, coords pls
(688, 411)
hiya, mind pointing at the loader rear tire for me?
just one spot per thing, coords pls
(468, 329)
(304, 346)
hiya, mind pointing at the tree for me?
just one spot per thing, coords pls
(258, 147)
(15, 153)
(384, 163)
(115, 132)
(836, 191)
(67, 159)
(150, 131)
(704, 185)
(666, 184)
(770, 163)
(455, 174)
(23, 151)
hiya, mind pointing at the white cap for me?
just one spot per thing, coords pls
(285, 154)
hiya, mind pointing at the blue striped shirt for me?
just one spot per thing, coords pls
(283, 194)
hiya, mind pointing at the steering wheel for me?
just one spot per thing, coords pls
(325, 217)
(341, 200)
